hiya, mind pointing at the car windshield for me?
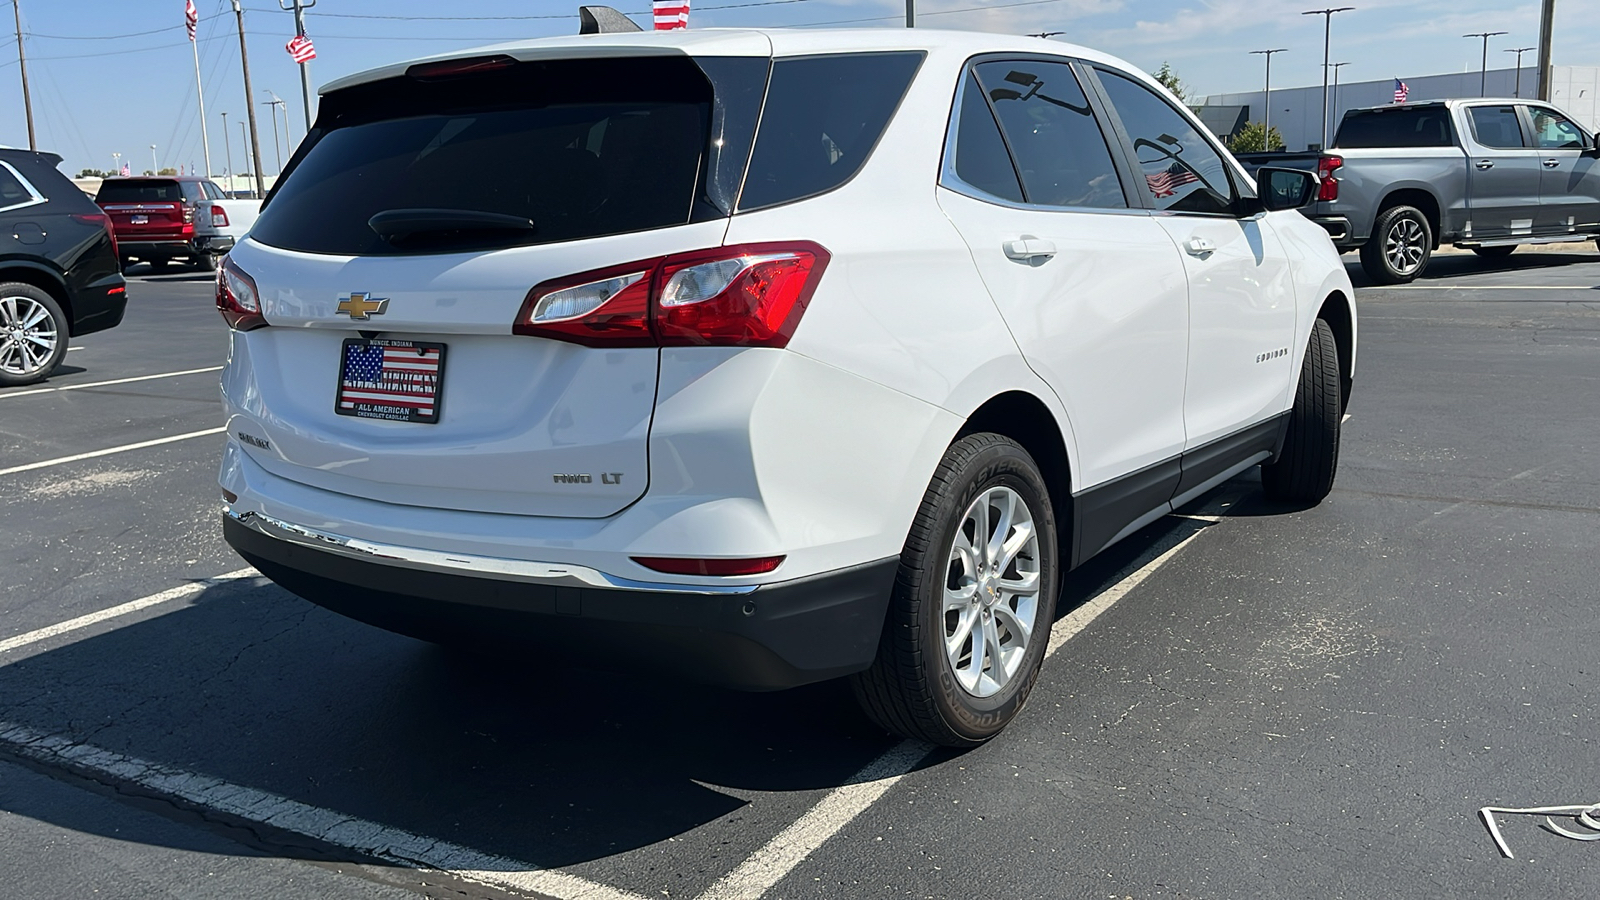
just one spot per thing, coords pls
(139, 192)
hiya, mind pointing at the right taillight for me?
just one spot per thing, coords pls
(237, 297)
(1326, 166)
(219, 217)
(749, 295)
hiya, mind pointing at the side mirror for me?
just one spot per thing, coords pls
(1286, 188)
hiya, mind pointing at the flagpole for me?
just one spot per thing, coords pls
(200, 91)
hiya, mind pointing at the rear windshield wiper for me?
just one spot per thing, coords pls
(398, 224)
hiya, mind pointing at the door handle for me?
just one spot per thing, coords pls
(1026, 249)
(1552, 163)
(1199, 246)
(1485, 163)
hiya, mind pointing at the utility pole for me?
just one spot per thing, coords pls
(1327, 45)
(227, 141)
(1334, 131)
(273, 114)
(1519, 51)
(1266, 116)
(1483, 79)
(1547, 36)
(911, 13)
(300, 7)
(249, 104)
(22, 63)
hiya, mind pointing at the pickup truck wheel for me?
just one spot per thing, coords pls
(972, 606)
(1303, 472)
(1495, 252)
(33, 334)
(205, 262)
(1400, 247)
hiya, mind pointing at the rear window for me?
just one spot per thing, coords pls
(823, 116)
(1427, 126)
(582, 148)
(139, 192)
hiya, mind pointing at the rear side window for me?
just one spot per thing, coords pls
(12, 191)
(1058, 146)
(823, 116)
(981, 159)
(582, 148)
(212, 191)
(135, 191)
(1497, 126)
(1182, 171)
(1427, 126)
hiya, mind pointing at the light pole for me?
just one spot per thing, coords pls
(227, 140)
(1483, 79)
(273, 115)
(1519, 51)
(1327, 45)
(1336, 68)
(1266, 104)
(155, 166)
(244, 139)
(116, 163)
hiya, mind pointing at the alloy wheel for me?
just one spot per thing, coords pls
(1405, 246)
(991, 592)
(28, 335)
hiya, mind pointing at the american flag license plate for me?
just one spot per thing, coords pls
(389, 379)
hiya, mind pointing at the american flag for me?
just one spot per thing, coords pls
(191, 17)
(1166, 182)
(671, 14)
(1401, 91)
(404, 377)
(300, 49)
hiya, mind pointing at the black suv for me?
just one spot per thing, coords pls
(58, 268)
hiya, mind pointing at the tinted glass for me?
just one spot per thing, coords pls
(12, 190)
(823, 116)
(583, 148)
(1427, 126)
(1181, 171)
(1059, 149)
(212, 191)
(138, 191)
(1554, 131)
(981, 157)
(1497, 126)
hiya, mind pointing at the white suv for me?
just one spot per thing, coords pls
(764, 357)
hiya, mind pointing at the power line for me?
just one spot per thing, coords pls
(921, 14)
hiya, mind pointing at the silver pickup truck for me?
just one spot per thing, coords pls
(1486, 175)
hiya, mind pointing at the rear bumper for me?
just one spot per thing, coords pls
(200, 243)
(753, 637)
(1338, 228)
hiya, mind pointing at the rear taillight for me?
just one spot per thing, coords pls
(1326, 166)
(102, 220)
(751, 295)
(219, 217)
(188, 215)
(237, 297)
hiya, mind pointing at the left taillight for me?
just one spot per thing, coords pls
(237, 297)
(219, 217)
(748, 295)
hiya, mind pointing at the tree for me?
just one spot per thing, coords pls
(168, 170)
(95, 173)
(1252, 139)
(1170, 80)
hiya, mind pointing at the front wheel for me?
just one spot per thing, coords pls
(1400, 247)
(33, 334)
(973, 603)
(1304, 470)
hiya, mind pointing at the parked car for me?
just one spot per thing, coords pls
(160, 219)
(58, 269)
(1485, 175)
(766, 357)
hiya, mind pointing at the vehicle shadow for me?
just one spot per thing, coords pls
(1455, 265)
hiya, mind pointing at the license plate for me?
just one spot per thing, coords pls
(138, 220)
(390, 379)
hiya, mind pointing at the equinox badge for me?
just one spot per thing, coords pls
(362, 306)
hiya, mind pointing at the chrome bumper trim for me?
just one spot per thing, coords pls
(552, 574)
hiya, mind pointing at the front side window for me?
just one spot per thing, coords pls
(1182, 172)
(1555, 131)
(1059, 149)
(1497, 126)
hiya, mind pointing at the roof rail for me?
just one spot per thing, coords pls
(603, 20)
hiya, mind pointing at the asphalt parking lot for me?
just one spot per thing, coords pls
(1244, 700)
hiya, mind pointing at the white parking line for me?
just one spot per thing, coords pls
(360, 835)
(108, 451)
(95, 384)
(1486, 287)
(132, 606)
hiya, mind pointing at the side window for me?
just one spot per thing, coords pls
(1554, 131)
(212, 191)
(12, 191)
(1059, 150)
(1181, 171)
(981, 157)
(1497, 126)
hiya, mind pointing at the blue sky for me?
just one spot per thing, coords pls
(114, 76)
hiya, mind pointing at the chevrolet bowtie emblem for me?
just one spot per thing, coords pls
(362, 306)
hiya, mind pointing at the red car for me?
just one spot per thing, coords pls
(159, 219)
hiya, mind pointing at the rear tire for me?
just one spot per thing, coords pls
(1303, 472)
(955, 579)
(1400, 247)
(205, 262)
(33, 334)
(1495, 252)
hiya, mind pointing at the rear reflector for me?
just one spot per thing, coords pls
(237, 297)
(749, 295)
(672, 565)
(117, 290)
